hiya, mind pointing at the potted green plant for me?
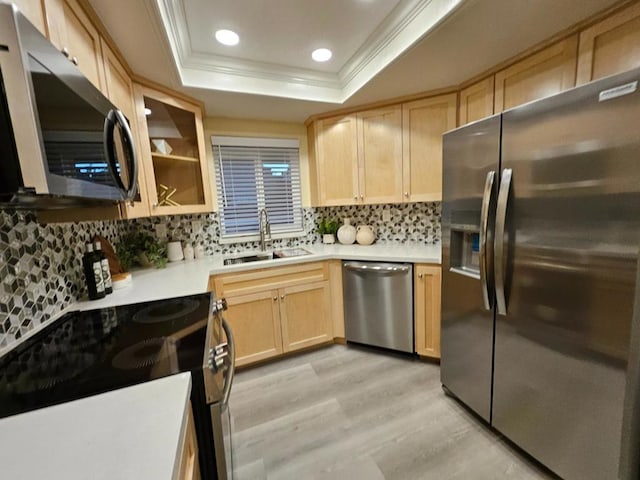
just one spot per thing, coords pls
(328, 228)
(141, 249)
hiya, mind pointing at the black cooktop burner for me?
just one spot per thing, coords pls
(143, 354)
(166, 312)
(85, 353)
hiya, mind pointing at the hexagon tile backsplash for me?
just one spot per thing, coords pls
(41, 265)
(40, 268)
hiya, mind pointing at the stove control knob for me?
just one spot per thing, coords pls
(216, 358)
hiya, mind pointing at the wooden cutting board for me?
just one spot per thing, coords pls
(114, 262)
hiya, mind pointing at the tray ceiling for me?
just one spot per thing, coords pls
(475, 36)
(277, 37)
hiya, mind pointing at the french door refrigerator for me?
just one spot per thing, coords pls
(541, 232)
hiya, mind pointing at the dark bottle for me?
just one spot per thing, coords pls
(93, 273)
(106, 271)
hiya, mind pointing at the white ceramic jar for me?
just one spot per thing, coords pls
(365, 235)
(188, 252)
(174, 251)
(347, 233)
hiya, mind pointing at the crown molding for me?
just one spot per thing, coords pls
(408, 22)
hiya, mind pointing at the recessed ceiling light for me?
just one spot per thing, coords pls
(321, 54)
(227, 37)
(147, 111)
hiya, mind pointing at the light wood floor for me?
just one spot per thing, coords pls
(353, 413)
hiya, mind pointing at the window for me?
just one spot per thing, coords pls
(257, 173)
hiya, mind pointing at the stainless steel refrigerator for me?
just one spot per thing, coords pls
(541, 234)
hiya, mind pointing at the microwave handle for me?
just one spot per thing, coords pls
(113, 119)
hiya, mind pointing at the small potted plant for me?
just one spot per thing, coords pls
(328, 228)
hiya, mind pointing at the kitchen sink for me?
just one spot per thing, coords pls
(291, 252)
(256, 257)
(248, 258)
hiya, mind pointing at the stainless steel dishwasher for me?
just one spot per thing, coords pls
(378, 304)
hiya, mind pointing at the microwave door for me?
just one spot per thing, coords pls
(120, 153)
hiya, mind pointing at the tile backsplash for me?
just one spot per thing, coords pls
(414, 222)
(41, 267)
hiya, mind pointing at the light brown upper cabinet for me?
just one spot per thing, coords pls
(173, 153)
(476, 101)
(611, 46)
(34, 11)
(380, 155)
(545, 73)
(424, 122)
(336, 161)
(119, 89)
(71, 30)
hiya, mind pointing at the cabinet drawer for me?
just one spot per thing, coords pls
(240, 283)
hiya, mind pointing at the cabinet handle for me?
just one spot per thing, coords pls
(65, 52)
(361, 197)
(154, 205)
(275, 299)
(420, 275)
(281, 297)
(406, 194)
(355, 197)
(74, 60)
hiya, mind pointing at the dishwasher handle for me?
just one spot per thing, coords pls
(376, 268)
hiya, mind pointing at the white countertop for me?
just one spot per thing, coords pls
(192, 277)
(134, 432)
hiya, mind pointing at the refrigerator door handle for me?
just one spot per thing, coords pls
(484, 224)
(501, 219)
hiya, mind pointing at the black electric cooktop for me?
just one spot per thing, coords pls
(91, 352)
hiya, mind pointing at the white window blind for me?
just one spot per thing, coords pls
(255, 173)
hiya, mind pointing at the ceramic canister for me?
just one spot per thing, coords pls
(365, 235)
(347, 233)
(174, 251)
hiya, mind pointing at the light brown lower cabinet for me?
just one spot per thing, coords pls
(426, 294)
(255, 321)
(305, 315)
(188, 466)
(276, 310)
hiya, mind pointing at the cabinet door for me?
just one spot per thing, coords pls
(476, 101)
(337, 161)
(545, 73)
(424, 122)
(173, 153)
(34, 11)
(427, 286)
(119, 89)
(380, 155)
(305, 315)
(611, 46)
(188, 464)
(71, 31)
(255, 322)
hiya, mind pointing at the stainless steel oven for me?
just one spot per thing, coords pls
(218, 371)
(61, 140)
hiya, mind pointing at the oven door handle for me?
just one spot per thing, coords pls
(231, 370)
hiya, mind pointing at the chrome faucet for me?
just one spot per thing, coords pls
(265, 229)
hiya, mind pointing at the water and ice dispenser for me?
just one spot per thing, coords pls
(465, 252)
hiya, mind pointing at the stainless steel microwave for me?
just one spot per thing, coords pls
(62, 142)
